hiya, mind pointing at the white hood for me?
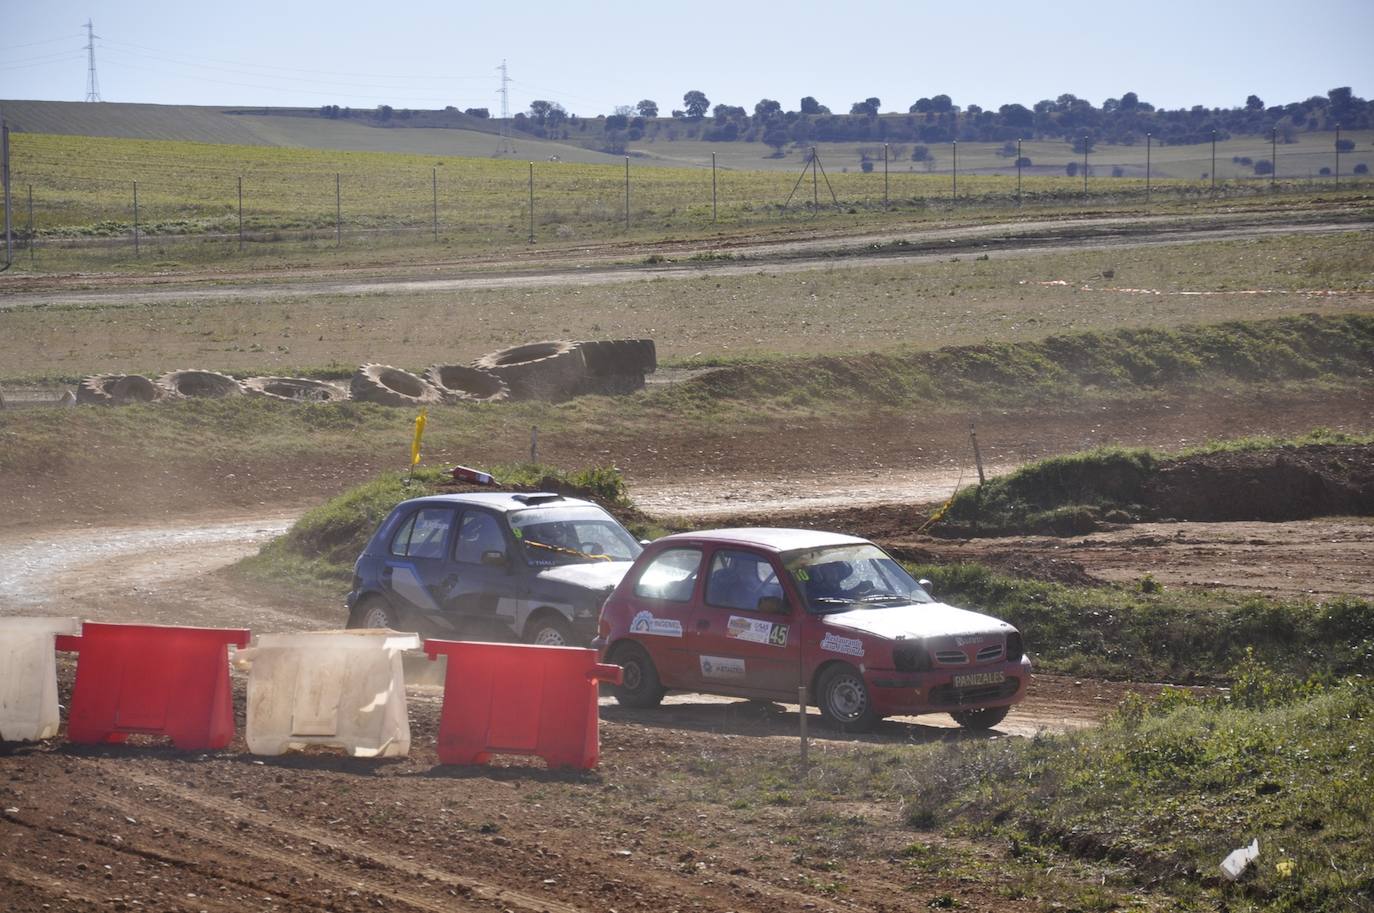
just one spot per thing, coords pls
(918, 620)
(595, 575)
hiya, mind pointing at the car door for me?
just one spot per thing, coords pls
(482, 587)
(742, 630)
(416, 573)
(664, 594)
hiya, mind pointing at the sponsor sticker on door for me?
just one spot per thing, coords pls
(722, 668)
(645, 623)
(850, 646)
(756, 630)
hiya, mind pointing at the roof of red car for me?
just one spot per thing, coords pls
(776, 539)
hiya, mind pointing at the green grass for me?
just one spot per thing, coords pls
(1165, 790)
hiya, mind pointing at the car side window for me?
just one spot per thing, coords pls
(478, 532)
(422, 534)
(671, 576)
(739, 579)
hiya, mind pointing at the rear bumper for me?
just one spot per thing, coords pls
(938, 691)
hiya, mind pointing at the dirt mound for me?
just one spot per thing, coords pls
(1288, 484)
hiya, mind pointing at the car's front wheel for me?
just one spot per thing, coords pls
(982, 718)
(844, 701)
(639, 685)
(373, 612)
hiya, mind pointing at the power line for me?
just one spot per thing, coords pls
(92, 84)
(31, 44)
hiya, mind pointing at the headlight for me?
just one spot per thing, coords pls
(910, 656)
(1015, 647)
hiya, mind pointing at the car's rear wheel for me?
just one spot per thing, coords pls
(844, 701)
(640, 685)
(982, 718)
(549, 631)
(373, 612)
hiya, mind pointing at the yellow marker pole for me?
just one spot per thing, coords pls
(420, 421)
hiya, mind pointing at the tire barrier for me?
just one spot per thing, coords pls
(388, 386)
(200, 384)
(152, 680)
(516, 699)
(118, 390)
(344, 689)
(539, 370)
(296, 389)
(464, 384)
(617, 366)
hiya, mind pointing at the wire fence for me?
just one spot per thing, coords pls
(202, 205)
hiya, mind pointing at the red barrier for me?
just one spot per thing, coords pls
(517, 699)
(153, 679)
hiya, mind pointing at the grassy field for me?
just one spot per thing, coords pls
(83, 189)
(836, 309)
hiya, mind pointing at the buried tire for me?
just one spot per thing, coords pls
(640, 686)
(982, 718)
(390, 386)
(117, 390)
(844, 701)
(538, 370)
(200, 384)
(465, 384)
(295, 389)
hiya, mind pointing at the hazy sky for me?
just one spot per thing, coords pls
(591, 57)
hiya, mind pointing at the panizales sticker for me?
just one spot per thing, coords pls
(646, 623)
(725, 668)
(850, 646)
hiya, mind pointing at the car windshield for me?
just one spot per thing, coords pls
(845, 577)
(550, 536)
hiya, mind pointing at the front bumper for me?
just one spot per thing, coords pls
(937, 691)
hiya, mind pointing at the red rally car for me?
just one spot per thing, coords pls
(756, 612)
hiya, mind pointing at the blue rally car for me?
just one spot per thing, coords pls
(491, 566)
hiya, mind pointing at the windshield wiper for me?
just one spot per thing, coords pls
(878, 597)
(568, 551)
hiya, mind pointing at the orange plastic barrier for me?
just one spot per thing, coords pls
(156, 679)
(516, 699)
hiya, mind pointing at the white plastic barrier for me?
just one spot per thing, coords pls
(343, 689)
(28, 676)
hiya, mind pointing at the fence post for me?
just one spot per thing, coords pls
(531, 202)
(1018, 172)
(1085, 168)
(1274, 159)
(713, 186)
(338, 210)
(885, 204)
(135, 218)
(954, 195)
(1214, 163)
(1338, 156)
(434, 190)
(240, 215)
(627, 193)
(1147, 169)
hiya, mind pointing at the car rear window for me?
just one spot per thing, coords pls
(671, 576)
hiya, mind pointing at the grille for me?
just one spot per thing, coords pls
(951, 657)
(988, 654)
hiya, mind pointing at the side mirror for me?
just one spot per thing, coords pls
(775, 604)
(927, 586)
(495, 559)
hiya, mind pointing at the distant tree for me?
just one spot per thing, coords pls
(766, 110)
(1130, 101)
(921, 106)
(477, 112)
(809, 105)
(617, 122)
(941, 104)
(724, 112)
(1254, 103)
(920, 153)
(1362, 168)
(867, 108)
(647, 107)
(384, 112)
(1345, 145)
(1263, 167)
(696, 104)
(539, 110)
(1071, 169)
(1023, 162)
(776, 136)
(866, 166)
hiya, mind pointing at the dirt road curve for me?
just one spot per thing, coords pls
(912, 246)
